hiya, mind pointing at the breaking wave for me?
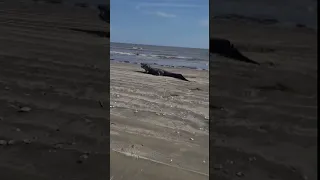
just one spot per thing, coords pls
(158, 56)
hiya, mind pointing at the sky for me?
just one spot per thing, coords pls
(181, 23)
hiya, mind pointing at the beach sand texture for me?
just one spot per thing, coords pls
(52, 78)
(161, 122)
(264, 118)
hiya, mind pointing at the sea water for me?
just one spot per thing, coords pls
(192, 58)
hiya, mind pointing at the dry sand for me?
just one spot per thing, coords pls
(161, 123)
(59, 75)
(264, 119)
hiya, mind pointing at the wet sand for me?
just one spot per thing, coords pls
(159, 123)
(52, 77)
(264, 118)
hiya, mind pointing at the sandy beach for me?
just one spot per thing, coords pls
(159, 123)
(264, 118)
(54, 70)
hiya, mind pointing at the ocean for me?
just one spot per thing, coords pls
(192, 58)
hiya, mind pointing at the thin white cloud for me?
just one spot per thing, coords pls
(173, 5)
(165, 15)
(204, 22)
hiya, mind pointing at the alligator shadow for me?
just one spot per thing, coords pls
(173, 75)
(141, 72)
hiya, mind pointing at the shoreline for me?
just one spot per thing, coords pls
(157, 65)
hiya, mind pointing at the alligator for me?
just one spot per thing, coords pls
(160, 72)
(224, 48)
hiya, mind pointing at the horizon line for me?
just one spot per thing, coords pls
(160, 45)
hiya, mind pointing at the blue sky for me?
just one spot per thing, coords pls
(182, 23)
